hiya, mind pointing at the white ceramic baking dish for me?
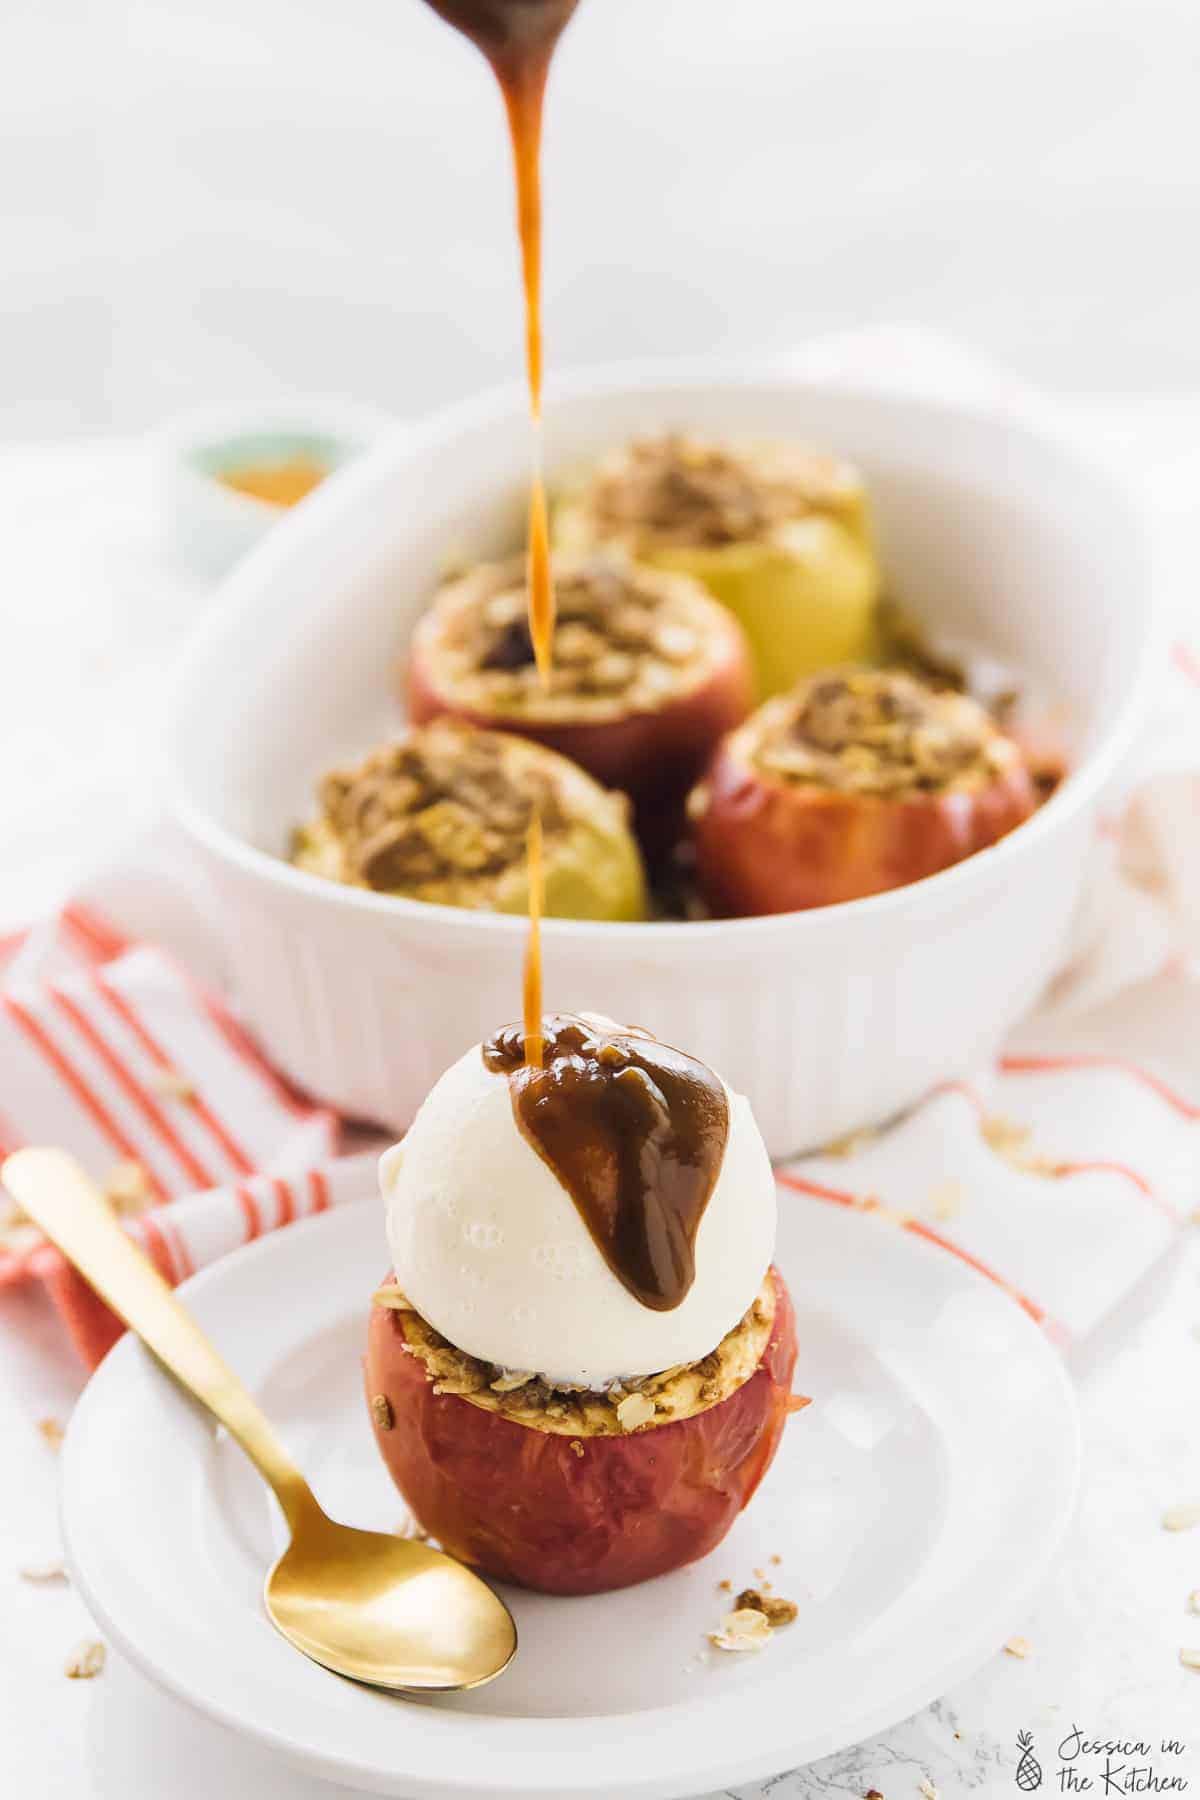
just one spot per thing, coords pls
(995, 530)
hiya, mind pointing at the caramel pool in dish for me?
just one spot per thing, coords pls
(777, 532)
(442, 815)
(856, 782)
(582, 1366)
(648, 673)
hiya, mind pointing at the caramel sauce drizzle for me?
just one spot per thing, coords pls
(518, 38)
(531, 986)
(636, 1133)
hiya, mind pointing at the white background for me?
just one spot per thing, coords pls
(236, 199)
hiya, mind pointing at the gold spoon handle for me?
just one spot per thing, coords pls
(57, 1195)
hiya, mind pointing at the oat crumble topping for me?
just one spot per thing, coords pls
(877, 731)
(627, 639)
(442, 814)
(675, 490)
(631, 1404)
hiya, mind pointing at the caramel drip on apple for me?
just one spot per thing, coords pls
(518, 38)
(634, 1130)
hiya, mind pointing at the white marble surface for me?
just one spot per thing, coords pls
(93, 609)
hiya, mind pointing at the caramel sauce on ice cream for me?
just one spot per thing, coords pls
(634, 1130)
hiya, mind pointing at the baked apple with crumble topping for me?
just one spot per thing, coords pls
(777, 532)
(648, 673)
(581, 1368)
(442, 815)
(856, 782)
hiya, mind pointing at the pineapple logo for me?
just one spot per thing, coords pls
(1029, 1769)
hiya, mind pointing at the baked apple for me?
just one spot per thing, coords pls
(648, 673)
(856, 782)
(778, 533)
(576, 1493)
(442, 815)
(581, 1368)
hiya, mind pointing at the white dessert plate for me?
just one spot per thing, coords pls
(914, 1507)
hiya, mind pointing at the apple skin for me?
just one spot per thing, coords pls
(765, 845)
(521, 1505)
(653, 756)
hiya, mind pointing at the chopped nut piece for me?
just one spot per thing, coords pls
(845, 1147)
(726, 1587)
(172, 1084)
(1018, 1646)
(1004, 1136)
(945, 1200)
(1010, 1142)
(776, 1611)
(872, 1794)
(635, 1410)
(743, 1629)
(86, 1660)
(1182, 1518)
(927, 1788)
(777, 1559)
(576, 1447)
(128, 1187)
(509, 1383)
(1194, 1601)
(52, 1432)
(381, 1407)
(390, 1295)
(1190, 1659)
(44, 1574)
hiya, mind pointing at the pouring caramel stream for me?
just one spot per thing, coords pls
(518, 38)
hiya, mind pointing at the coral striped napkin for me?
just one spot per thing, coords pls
(112, 1050)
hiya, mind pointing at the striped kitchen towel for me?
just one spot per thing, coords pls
(111, 1050)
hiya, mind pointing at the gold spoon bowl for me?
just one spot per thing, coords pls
(382, 1610)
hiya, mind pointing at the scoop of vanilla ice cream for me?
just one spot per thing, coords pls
(488, 1246)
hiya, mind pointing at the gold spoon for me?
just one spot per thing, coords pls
(379, 1609)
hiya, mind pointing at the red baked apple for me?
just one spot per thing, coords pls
(855, 782)
(577, 1494)
(648, 673)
